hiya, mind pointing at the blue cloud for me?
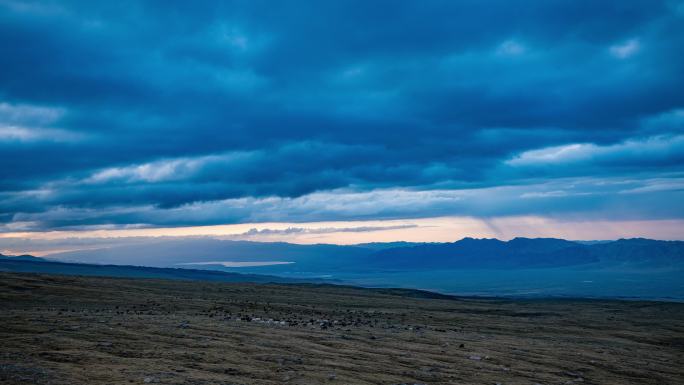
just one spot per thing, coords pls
(122, 113)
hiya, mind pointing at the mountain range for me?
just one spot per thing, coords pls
(467, 253)
(521, 267)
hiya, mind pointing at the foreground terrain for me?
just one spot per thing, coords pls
(74, 330)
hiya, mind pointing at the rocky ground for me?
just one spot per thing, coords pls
(72, 330)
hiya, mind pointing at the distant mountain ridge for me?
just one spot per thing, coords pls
(24, 257)
(533, 253)
(521, 267)
(641, 251)
(487, 253)
(467, 253)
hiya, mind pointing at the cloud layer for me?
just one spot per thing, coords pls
(143, 114)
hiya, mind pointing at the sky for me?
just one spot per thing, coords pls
(421, 121)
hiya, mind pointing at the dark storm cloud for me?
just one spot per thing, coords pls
(122, 112)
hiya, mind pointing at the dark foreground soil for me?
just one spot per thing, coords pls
(72, 330)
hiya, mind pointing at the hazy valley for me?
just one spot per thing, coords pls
(522, 267)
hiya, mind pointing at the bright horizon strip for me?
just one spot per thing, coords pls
(439, 229)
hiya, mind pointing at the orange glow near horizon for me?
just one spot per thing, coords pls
(441, 229)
